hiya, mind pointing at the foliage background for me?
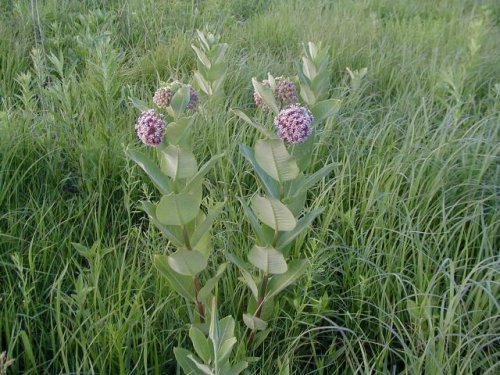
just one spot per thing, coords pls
(404, 274)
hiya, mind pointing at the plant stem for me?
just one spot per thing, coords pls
(199, 304)
(260, 304)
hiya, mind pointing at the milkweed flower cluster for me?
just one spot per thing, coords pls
(194, 98)
(163, 97)
(284, 90)
(150, 127)
(294, 124)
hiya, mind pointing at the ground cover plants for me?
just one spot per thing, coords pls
(375, 147)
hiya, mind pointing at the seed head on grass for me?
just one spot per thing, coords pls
(150, 127)
(294, 124)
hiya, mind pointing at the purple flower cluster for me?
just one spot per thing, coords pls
(194, 98)
(163, 96)
(150, 127)
(294, 123)
(285, 92)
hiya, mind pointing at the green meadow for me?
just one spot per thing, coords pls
(404, 274)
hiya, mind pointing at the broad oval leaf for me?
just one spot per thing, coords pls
(187, 262)
(182, 357)
(178, 209)
(178, 163)
(325, 109)
(254, 323)
(201, 344)
(267, 259)
(153, 171)
(266, 94)
(275, 160)
(273, 213)
(180, 283)
(180, 100)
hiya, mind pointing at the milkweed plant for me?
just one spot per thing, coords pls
(277, 214)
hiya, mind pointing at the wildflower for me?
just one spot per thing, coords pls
(150, 127)
(259, 102)
(194, 98)
(163, 96)
(286, 91)
(294, 123)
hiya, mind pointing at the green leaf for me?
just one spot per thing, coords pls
(216, 71)
(205, 168)
(182, 358)
(178, 163)
(254, 323)
(325, 109)
(266, 94)
(225, 349)
(180, 100)
(260, 128)
(269, 185)
(179, 283)
(253, 221)
(187, 262)
(178, 209)
(275, 160)
(138, 103)
(273, 213)
(205, 226)
(302, 224)
(178, 132)
(309, 68)
(313, 179)
(204, 368)
(203, 84)
(226, 329)
(150, 209)
(237, 368)
(243, 267)
(201, 56)
(268, 260)
(303, 152)
(201, 344)
(296, 268)
(152, 170)
(210, 284)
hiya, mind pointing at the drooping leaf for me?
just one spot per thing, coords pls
(152, 170)
(182, 358)
(178, 162)
(275, 160)
(201, 56)
(270, 186)
(178, 209)
(266, 94)
(325, 109)
(302, 223)
(180, 283)
(254, 323)
(201, 344)
(261, 237)
(268, 260)
(273, 213)
(150, 209)
(187, 262)
(296, 268)
(180, 100)
(202, 83)
(249, 280)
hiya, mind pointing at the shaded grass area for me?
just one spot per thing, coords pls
(404, 275)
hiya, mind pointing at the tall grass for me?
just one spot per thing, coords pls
(405, 266)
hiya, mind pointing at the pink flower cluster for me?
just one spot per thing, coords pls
(163, 96)
(150, 127)
(285, 92)
(294, 123)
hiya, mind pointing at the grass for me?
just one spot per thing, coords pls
(405, 266)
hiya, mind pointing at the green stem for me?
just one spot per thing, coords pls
(260, 304)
